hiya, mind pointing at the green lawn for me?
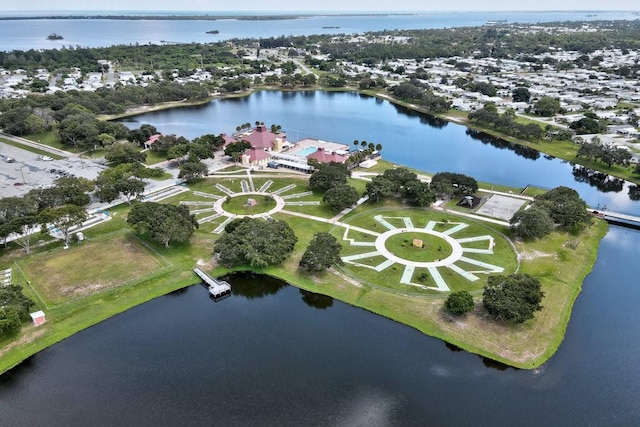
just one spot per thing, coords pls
(239, 205)
(430, 248)
(88, 268)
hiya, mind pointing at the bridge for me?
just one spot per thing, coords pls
(218, 289)
(616, 218)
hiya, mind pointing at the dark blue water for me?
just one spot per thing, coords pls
(31, 34)
(270, 355)
(407, 138)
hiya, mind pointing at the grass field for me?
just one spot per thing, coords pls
(238, 205)
(89, 268)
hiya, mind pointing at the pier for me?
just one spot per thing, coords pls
(218, 289)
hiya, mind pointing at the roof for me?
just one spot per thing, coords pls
(262, 138)
(152, 139)
(256, 154)
(325, 156)
(36, 314)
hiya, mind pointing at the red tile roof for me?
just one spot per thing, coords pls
(262, 138)
(325, 156)
(256, 154)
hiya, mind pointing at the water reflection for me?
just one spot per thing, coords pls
(253, 286)
(426, 119)
(634, 192)
(602, 181)
(520, 150)
(314, 300)
(452, 347)
(495, 365)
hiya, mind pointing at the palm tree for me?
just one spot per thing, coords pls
(363, 143)
(356, 143)
(378, 147)
(371, 146)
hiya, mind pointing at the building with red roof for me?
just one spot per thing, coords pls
(324, 156)
(152, 139)
(255, 157)
(264, 139)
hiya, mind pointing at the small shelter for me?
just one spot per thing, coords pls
(417, 243)
(38, 318)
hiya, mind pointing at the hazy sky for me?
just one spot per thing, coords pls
(317, 5)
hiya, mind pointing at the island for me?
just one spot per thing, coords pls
(213, 32)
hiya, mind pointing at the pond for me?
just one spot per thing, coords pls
(274, 355)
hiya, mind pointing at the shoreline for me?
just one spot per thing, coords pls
(444, 116)
(84, 315)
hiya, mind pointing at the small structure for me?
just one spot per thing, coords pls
(80, 236)
(218, 289)
(251, 202)
(148, 143)
(5, 277)
(417, 243)
(38, 317)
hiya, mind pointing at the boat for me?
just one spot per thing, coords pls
(54, 36)
(213, 32)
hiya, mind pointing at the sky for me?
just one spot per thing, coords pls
(318, 5)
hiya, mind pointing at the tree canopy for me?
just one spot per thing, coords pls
(514, 298)
(165, 223)
(341, 197)
(459, 302)
(323, 252)
(255, 242)
(532, 223)
(328, 175)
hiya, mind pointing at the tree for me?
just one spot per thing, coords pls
(192, 170)
(532, 223)
(449, 184)
(513, 298)
(236, 147)
(565, 207)
(165, 223)
(521, 94)
(116, 154)
(399, 177)
(113, 182)
(64, 218)
(323, 252)
(255, 242)
(418, 193)
(459, 302)
(547, 106)
(341, 197)
(328, 175)
(379, 187)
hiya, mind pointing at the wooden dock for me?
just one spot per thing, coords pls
(218, 289)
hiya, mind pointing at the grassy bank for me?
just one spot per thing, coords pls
(88, 283)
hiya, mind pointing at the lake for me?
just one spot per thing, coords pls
(24, 34)
(273, 355)
(408, 138)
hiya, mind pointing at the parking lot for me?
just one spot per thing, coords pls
(27, 172)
